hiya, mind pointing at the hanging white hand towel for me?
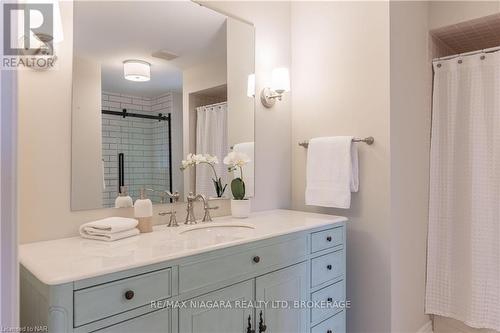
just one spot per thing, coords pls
(332, 172)
(109, 229)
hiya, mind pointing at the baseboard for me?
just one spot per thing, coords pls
(427, 328)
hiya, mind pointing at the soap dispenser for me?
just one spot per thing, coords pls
(123, 200)
(143, 211)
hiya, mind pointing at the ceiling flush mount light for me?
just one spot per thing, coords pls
(137, 70)
(280, 85)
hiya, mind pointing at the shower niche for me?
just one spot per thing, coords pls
(474, 35)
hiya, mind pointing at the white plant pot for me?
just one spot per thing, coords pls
(240, 208)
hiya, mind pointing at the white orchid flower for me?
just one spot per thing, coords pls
(196, 159)
(212, 159)
(236, 159)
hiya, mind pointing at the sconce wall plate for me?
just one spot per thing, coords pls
(44, 52)
(267, 98)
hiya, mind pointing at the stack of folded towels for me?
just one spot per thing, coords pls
(110, 229)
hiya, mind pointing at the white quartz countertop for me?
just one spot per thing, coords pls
(72, 259)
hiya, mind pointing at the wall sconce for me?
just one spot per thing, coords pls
(280, 84)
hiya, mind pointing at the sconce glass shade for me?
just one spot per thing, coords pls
(280, 80)
(251, 85)
(137, 70)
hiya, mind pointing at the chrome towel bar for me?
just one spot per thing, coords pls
(368, 140)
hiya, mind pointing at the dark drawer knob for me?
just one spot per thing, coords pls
(129, 294)
(329, 267)
(329, 300)
(256, 259)
(329, 238)
(329, 331)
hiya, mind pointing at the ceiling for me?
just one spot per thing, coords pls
(110, 32)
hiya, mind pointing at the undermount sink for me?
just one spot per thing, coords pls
(211, 229)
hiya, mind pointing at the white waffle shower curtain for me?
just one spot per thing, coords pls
(463, 264)
(211, 138)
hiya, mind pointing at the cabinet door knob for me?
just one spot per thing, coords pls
(256, 259)
(329, 238)
(329, 300)
(129, 294)
(329, 267)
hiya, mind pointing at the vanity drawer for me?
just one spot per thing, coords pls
(335, 324)
(224, 267)
(101, 301)
(331, 296)
(326, 239)
(327, 267)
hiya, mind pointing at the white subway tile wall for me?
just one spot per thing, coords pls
(144, 143)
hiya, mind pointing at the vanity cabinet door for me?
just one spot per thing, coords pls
(207, 314)
(286, 285)
(155, 322)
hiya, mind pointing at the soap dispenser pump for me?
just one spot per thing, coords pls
(123, 200)
(143, 212)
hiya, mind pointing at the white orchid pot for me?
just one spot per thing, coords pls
(240, 208)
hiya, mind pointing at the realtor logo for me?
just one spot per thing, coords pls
(28, 30)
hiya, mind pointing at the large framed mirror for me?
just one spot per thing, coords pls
(152, 83)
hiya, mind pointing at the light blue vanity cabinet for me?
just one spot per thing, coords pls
(202, 319)
(154, 322)
(266, 285)
(290, 285)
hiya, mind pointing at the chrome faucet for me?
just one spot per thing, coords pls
(191, 198)
(175, 198)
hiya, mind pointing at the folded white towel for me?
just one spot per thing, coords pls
(108, 226)
(332, 171)
(112, 237)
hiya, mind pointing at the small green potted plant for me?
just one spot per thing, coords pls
(240, 206)
(210, 160)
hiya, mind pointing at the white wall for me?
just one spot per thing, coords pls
(9, 266)
(340, 86)
(240, 63)
(87, 178)
(177, 137)
(411, 85)
(272, 126)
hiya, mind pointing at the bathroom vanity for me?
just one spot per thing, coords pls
(223, 276)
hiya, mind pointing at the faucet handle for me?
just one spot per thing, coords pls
(173, 220)
(207, 217)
